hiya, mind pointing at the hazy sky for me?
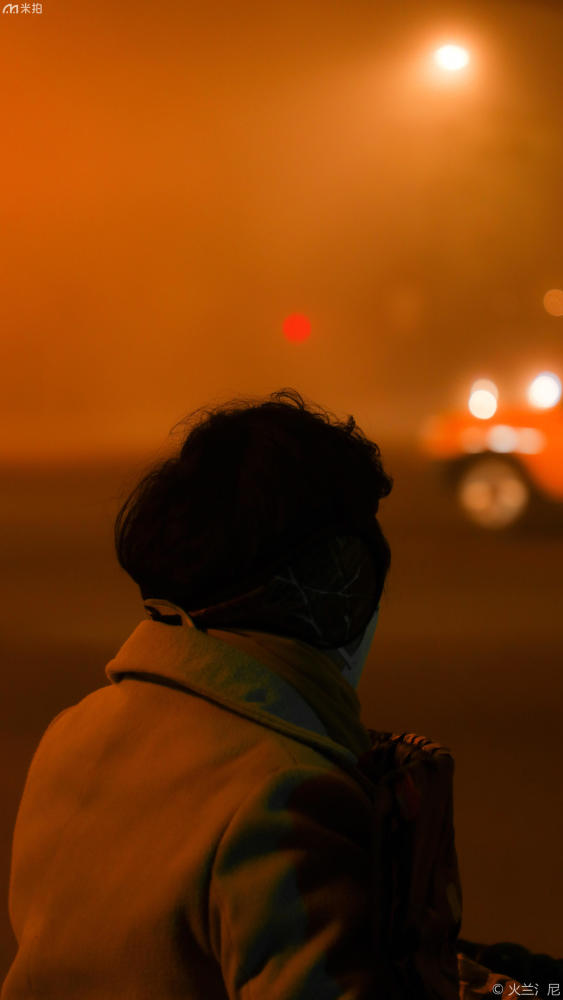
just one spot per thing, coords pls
(178, 178)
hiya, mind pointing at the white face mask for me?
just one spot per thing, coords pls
(352, 663)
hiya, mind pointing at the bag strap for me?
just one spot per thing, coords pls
(417, 890)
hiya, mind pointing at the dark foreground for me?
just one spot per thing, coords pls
(469, 651)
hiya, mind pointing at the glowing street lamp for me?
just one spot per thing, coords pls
(451, 57)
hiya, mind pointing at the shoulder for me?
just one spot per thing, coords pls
(297, 805)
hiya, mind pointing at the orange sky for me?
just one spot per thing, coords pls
(177, 180)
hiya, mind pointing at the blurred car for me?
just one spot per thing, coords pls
(500, 458)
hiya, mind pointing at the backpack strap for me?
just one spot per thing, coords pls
(417, 890)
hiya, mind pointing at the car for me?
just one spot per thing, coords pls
(501, 458)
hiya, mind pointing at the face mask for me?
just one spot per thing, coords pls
(352, 662)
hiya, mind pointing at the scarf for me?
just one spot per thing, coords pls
(314, 675)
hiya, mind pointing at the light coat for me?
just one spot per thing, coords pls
(191, 831)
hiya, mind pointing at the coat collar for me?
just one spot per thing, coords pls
(171, 648)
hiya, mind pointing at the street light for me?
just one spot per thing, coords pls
(451, 57)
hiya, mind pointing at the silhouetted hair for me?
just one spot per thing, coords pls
(252, 483)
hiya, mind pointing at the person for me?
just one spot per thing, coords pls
(199, 826)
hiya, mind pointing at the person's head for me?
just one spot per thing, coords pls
(265, 518)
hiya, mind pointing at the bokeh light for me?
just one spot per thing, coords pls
(487, 385)
(553, 302)
(503, 438)
(451, 57)
(530, 441)
(483, 399)
(545, 390)
(296, 327)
